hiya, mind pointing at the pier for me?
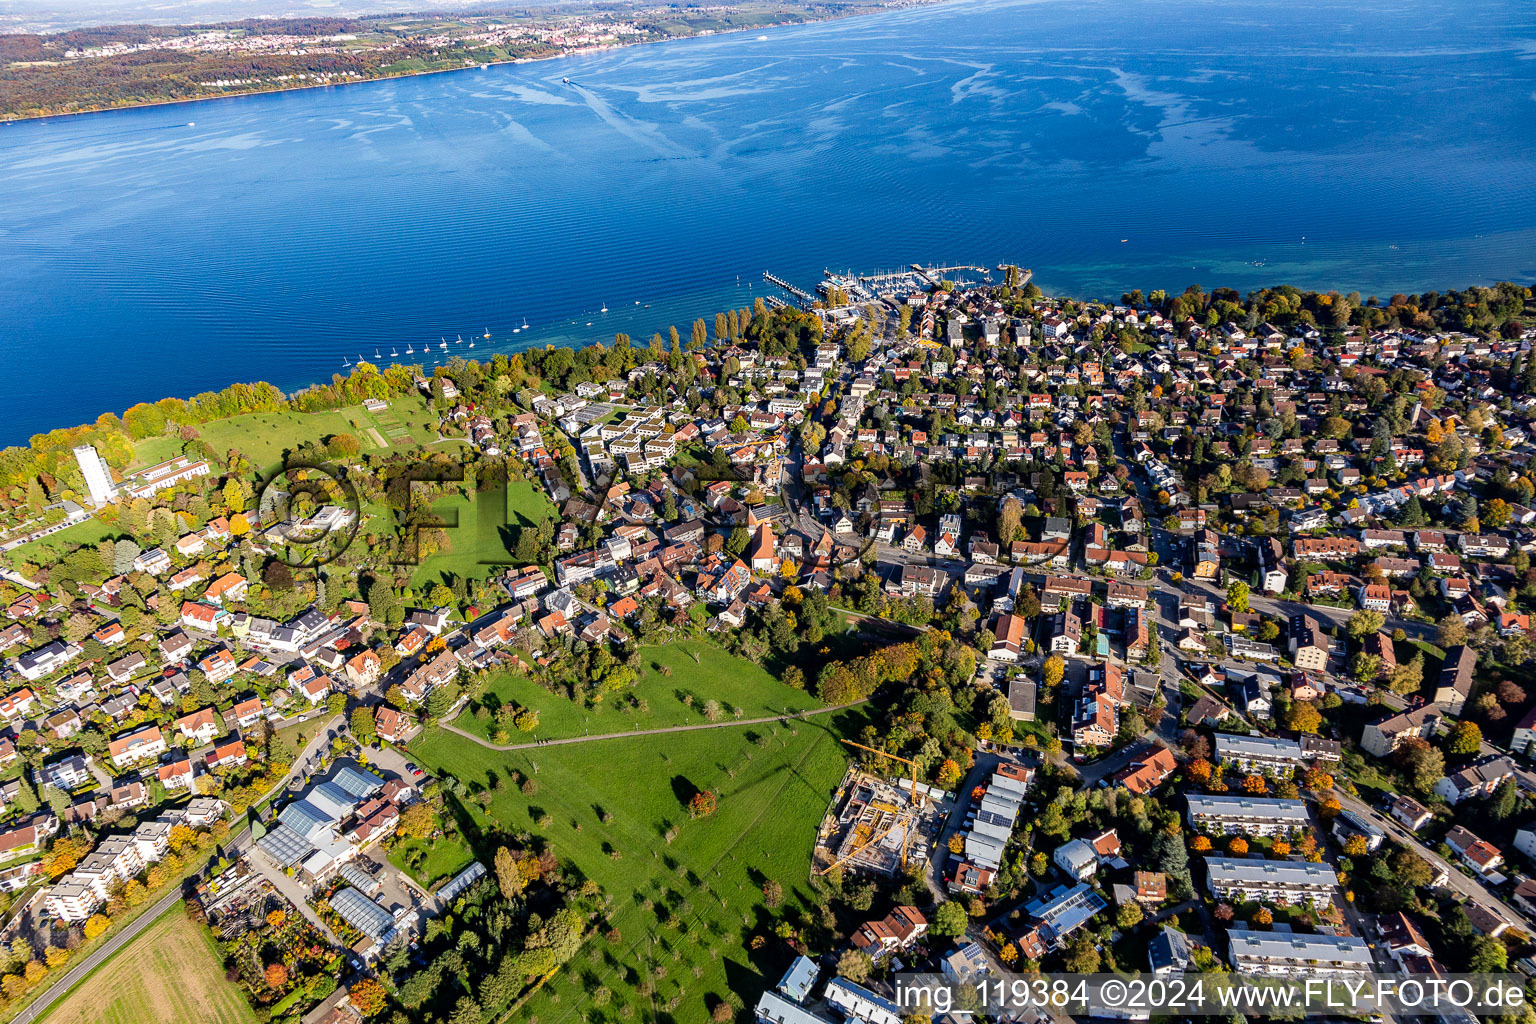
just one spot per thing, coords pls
(799, 293)
(933, 275)
(1024, 273)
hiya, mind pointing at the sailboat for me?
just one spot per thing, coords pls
(377, 354)
(487, 333)
(517, 330)
(604, 309)
(525, 323)
(460, 340)
(444, 344)
(471, 343)
(344, 361)
(393, 352)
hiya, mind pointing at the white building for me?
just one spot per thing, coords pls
(1279, 954)
(1271, 881)
(1264, 754)
(98, 481)
(1246, 815)
(1077, 859)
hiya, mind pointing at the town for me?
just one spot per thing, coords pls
(912, 622)
(49, 73)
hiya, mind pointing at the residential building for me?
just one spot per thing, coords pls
(1219, 815)
(1381, 738)
(1478, 779)
(1286, 954)
(1455, 682)
(1237, 879)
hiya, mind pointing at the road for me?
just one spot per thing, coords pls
(238, 842)
(566, 740)
(1468, 887)
(1324, 614)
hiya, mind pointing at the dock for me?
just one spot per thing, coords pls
(933, 275)
(799, 293)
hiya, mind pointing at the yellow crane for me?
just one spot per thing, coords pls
(872, 840)
(917, 801)
(893, 757)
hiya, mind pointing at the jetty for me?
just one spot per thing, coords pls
(799, 293)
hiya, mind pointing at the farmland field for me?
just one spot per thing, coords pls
(716, 675)
(169, 974)
(687, 894)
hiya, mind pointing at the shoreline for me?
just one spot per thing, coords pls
(6, 120)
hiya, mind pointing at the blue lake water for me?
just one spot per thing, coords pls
(1371, 146)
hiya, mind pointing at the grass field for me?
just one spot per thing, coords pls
(89, 532)
(684, 912)
(264, 437)
(432, 859)
(484, 533)
(169, 974)
(715, 675)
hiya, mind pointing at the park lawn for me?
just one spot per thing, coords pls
(430, 860)
(45, 549)
(171, 972)
(484, 533)
(684, 912)
(154, 450)
(716, 675)
(264, 437)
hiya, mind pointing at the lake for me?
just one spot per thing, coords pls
(1370, 146)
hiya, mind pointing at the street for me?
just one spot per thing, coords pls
(239, 842)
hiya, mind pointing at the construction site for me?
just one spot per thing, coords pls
(875, 826)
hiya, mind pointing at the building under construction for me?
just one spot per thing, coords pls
(874, 826)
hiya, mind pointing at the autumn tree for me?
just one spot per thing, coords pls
(1464, 739)
(509, 877)
(417, 821)
(368, 996)
(1303, 716)
(702, 804)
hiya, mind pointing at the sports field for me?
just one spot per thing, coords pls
(169, 974)
(687, 894)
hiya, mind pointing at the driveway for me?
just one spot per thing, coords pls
(986, 763)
